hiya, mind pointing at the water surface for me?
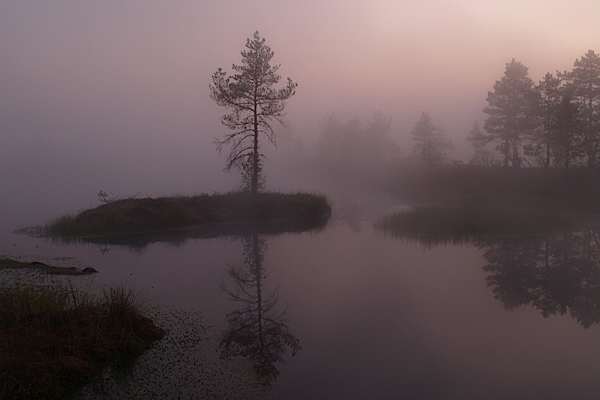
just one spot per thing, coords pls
(349, 312)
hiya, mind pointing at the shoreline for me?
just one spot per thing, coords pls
(215, 214)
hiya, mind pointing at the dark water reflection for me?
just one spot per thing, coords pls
(178, 237)
(557, 274)
(377, 317)
(256, 329)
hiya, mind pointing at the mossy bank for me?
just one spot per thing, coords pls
(55, 339)
(130, 216)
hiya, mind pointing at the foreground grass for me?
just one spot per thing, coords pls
(167, 213)
(54, 339)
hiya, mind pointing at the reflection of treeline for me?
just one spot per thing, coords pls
(555, 270)
(558, 274)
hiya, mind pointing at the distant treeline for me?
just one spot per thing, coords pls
(551, 124)
(354, 149)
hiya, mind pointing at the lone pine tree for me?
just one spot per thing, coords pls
(253, 102)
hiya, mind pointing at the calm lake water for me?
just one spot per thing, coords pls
(368, 315)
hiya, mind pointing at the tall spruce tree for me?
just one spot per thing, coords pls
(586, 83)
(479, 140)
(512, 112)
(550, 98)
(253, 102)
(430, 143)
(567, 139)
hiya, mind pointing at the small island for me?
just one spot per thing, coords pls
(253, 103)
(12, 264)
(220, 213)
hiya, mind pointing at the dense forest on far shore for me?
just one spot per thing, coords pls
(537, 142)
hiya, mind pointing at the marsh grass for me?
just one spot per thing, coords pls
(12, 264)
(456, 224)
(549, 188)
(130, 216)
(471, 203)
(55, 338)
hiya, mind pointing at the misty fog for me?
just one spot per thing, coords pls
(113, 95)
(317, 199)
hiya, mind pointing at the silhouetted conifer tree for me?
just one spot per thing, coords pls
(479, 140)
(585, 78)
(512, 112)
(253, 103)
(430, 143)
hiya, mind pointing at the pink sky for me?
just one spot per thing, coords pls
(84, 82)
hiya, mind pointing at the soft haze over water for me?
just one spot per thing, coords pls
(113, 95)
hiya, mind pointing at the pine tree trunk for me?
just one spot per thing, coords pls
(516, 162)
(255, 158)
(255, 162)
(590, 134)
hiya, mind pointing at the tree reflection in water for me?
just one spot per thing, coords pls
(256, 330)
(556, 273)
(559, 274)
